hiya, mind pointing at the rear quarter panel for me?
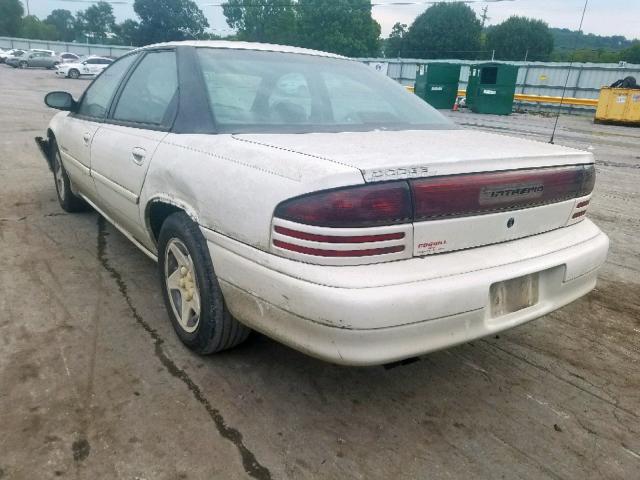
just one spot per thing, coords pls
(233, 186)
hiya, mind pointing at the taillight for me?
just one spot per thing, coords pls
(360, 206)
(588, 180)
(374, 222)
(481, 193)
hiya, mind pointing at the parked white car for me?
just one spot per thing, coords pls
(87, 67)
(344, 217)
(15, 52)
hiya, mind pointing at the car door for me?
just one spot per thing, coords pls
(102, 64)
(89, 67)
(32, 59)
(38, 59)
(95, 66)
(124, 145)
(78, 128)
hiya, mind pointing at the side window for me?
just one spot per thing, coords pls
(149, 91)
(97, 97)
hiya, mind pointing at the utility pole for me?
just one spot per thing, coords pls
(484, 17)
(28, 13)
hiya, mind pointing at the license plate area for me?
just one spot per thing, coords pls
(514, 294)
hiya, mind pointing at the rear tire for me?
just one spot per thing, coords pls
(73, 73)
(69, 201)
(203, 323)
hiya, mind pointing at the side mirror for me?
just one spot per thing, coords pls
(60, 101)
(84, 63)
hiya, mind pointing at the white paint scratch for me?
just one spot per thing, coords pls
(475, 367)
(559, 413)
(631, 452)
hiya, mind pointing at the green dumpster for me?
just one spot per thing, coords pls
(491, 88)
(437, 84)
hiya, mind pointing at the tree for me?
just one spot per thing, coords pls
(128, 32)
(445, 30)
(166, 20)
(518, 38)
(632, 54)
(64, 23)
(395, 43)
(271, 21)
(32, 27)
(340, 26)
(11, 12)
(96, 22)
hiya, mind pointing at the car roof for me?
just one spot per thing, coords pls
(225, 44)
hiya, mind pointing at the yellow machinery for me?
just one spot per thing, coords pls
(619, 105)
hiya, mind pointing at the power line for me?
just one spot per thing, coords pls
(564, 90)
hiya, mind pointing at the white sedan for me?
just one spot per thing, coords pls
(88, 67)
(310, 198)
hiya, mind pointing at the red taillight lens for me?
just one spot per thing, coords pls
(588, 180)
(477, 194)
(313, 237)
(322, 252)
(361, 206)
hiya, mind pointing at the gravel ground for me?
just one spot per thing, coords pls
(94, 383)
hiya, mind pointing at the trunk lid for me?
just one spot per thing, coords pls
(389, 155)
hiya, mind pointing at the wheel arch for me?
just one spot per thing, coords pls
(159, 208)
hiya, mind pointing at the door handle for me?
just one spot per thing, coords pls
(138, 155)
(86, 138)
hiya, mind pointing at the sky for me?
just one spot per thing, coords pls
(603, 17)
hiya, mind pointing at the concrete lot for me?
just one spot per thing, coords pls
(94, 383)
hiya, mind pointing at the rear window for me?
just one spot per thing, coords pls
(256, 91)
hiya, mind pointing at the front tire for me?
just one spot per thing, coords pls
(191, 292)
(73, 73)
(66, 198)
(23, 64)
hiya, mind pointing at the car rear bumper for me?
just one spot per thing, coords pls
(381, 313)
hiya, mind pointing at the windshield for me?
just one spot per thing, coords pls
(258, 92)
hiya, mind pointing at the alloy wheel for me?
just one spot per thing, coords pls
(182, 285)
(59, 177)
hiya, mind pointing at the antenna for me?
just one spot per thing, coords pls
(566, 82)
